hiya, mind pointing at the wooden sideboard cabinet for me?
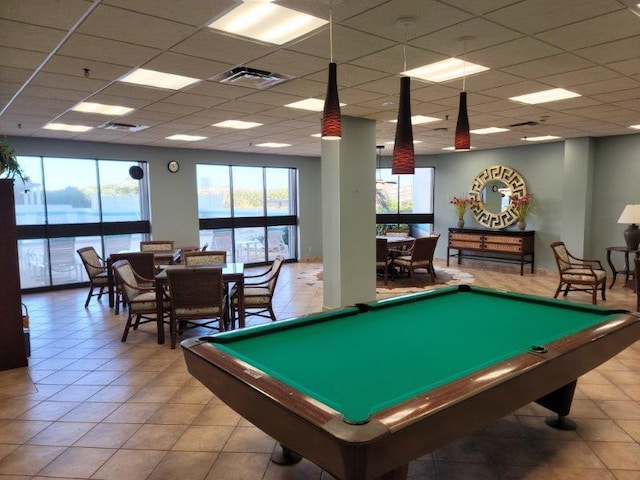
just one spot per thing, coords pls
(500, 245)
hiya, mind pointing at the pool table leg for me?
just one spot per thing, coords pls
(559, 401)
(283, 455)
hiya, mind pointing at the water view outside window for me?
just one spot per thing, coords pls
(70, 203)
(234, 203)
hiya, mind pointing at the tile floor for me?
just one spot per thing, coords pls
(91, 407)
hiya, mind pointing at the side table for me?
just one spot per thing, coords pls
(628, 269)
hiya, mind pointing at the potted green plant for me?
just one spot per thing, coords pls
(9, 166)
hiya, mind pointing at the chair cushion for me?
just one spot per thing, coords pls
(198, 312)
(254, 296)
(583, 274)
(145, 302)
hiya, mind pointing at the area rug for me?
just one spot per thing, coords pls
(400, 285)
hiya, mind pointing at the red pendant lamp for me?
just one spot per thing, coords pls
(331, 116)
(463, 137)
(403, 162)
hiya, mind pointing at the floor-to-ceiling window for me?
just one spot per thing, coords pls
(249, 212)
(405, 202)
(69, 203)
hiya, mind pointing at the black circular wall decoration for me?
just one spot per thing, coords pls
(136, 172)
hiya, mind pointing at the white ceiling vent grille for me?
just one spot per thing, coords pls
(123, 127)
(251, 78)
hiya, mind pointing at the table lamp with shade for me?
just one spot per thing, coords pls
(631, 215)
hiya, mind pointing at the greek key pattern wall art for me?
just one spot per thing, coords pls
(512, 180)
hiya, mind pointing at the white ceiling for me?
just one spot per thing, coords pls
(589, 46)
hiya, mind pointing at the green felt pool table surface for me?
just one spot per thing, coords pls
(360, 364)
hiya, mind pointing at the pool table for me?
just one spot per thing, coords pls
(363, 390)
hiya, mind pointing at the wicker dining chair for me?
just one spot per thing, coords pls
(143, 264)
(96, 269)
(383, 260)
(419, 257)
(140, 299)
(209, 257)
(197, 298)
(578, 274)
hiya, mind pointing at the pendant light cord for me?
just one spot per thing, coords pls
(331, 34)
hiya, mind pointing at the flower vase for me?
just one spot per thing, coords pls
(522, 225)
(460, 222)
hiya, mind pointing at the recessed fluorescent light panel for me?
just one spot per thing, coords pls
(273, 145)
(635, 127)
(489, 130)
(454, 148)
(545, 96)
(311, 104)
(445, 70)
(63, 127)
(267, 22)
(319, 135)
(237, 124)
(415, 142)
(151, 78)
(540, 139)
(90, 107)
(186, 138)
(418, 119)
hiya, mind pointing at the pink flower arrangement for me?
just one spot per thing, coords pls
(462, 204)
(522, 206)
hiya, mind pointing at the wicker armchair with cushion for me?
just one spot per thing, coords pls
(156, 245)
(420, 257)
(259, 291)
(140, 299)
(196, 294)
(382, 258)
(578, 274)
(143, 263)
(96, 271)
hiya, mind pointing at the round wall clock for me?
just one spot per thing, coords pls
(173, 166)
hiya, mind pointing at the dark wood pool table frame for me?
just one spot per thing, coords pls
(383, 447)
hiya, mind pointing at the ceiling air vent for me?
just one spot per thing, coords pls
(251, 78)
(123, 127)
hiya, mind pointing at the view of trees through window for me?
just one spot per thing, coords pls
(250, 212)
(405, 201)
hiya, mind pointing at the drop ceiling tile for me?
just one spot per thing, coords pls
(302, 87)
(29, 37)
(555, 64)
(382, 19)
(105, 50)
(535, 16)
(242, 107)
(211, 45)
(391, 60)
(75, 67)
(188, 66)
(579, 77)
(602, 29)
(620, 96)
(188, 98)
(287, 62)
(36, 91)
(482, 32)
(513, 53)
(172, 108)
(348, 44)
(81, 84)
(18, 58)
(126, 90)
(106, 99)
(45, 12)
(126, 26)
(348, 75)
(627, 67)
(269, 97)
(614, 85)
(14, 75)
(219, 90)
(625, 49)
(196, 13)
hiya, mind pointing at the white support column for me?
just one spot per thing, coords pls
(349, 214)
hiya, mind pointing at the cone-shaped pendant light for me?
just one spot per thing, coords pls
(403, 162)
(463, 137)
(331, 116)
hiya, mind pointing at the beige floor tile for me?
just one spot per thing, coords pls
(90, 412)
(601, 430)
(582, 474)
(157, 437)
(133, 413)
(77, 462)
(624, 410)
(567, 454)
(61, 433)
(108, 435)
(250, 440)
(28, 459)
(304, 470)
(51, 411)
(239, 466)
(203, 439)
(154, 394)
(632, 427)
(114, 393)
(192, 394)
(194, 465)
(75, 393)
(603, 392)
(129, 465)
(616, 455)
(20, 431)
(176, 414)
(218, 414)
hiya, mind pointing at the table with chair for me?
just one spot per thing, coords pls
(628, 272)
(231, 273)
(397, 254)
